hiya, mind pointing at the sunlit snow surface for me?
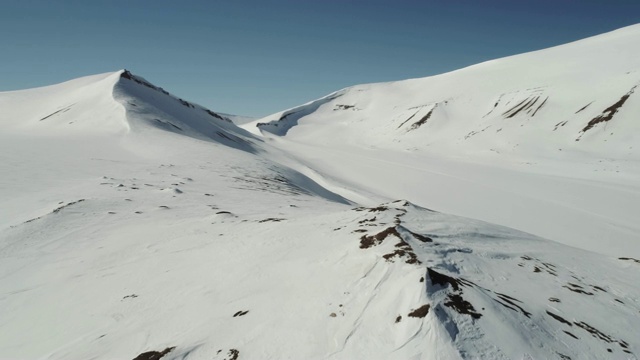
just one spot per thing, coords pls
(132, 221)
(546, 142)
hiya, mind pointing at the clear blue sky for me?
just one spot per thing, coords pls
(258, 57)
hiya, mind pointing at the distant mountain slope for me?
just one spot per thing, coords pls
(545, 142)
(576, 98)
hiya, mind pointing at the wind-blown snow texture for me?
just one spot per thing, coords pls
(137, 225)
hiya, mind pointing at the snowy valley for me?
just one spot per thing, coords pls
(491, 212)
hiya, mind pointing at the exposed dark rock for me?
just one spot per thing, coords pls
(577, 289)
(272, 220)
(609, 112)
(441, 279)
(462, 306)
(367, 241)
(410, 117)
(594, 332)
(411, 256)
(424, 119)
(57, 210)
(559, 318)
(510, 303)
(521, 106)
(561, 123)
(495, 105)
(420, 312)
(570, 334)
(584, 107)
(129, 76)
(422, 238)
(233, 354)
(215, 115)
(185, 103)
(602, 336)
(539, 107)
(629, 259)
(154, 355)
(63, 110)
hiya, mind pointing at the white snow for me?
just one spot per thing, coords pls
(536, 171)
(135, 221)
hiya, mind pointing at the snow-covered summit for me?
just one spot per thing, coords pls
(115, 103)
(149, 105)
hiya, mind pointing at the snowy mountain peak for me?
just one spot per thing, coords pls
(118, 103)
(150, 106)
(127, 75)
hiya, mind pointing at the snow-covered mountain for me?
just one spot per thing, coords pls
(137, 225)
(577, 97)
(553, 133)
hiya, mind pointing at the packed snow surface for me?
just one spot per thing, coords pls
(491, 212)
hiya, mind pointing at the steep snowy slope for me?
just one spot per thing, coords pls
(147, 104)
(545, 142)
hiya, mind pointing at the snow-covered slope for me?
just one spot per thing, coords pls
(53, 134)
(577, 97)
(545, 142)
(137, 225)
